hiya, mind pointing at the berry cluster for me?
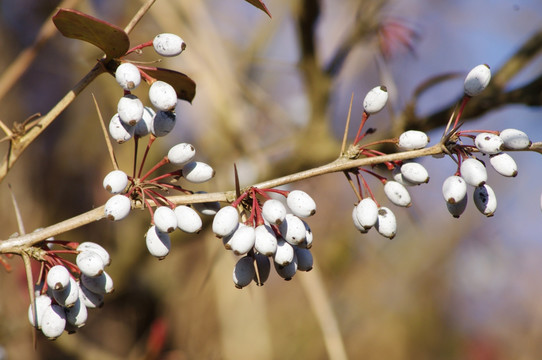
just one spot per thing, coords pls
(368, 213)
(272, 230)
(133, 119)
(470, 170)
(150, 191)
(66, 290)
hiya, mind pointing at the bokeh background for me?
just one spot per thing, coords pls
(272, 96)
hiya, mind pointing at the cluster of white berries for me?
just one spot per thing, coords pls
(132, 117)
(273, 231)
(367, 213)
(61, 303)
(472, 171)
(166, 218)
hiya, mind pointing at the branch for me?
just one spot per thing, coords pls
(13, 245)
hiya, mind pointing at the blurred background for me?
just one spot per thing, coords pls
(272, 96)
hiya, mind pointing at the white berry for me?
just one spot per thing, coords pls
(367, 213)
(301, 203)
(130, 109)
(375, 100)
(165, 219)
(97, 248)
(180, 154)
(68, 295)
(90, 263)
(307, 243)
(115, 182)
(454, 189)
(293, 229)
(119, 131)
(515, 139)
(128, 76)
(386, 224)
(162, 96)
(477, 80)
(504, 164)
(357, 224)
(225, 221)
(485, 200)
(242, 240)
(53, 321)
(397, 193)
(198, 172)
(168, 44)
(117, 207)
(414, 173)
(412, 140)
(58, 277)
(284, 254)
(188, 219)
(273, 211)
(265, 240)
(398, 176)
(158, 243)
(36, 310)
(474, 172)
(488, 143)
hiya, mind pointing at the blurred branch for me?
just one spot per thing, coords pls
(494, 97)
(22, 62)
(313, 285)
(366, 24)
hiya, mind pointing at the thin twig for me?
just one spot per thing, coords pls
(345, 136)
(106, 135)
(5, 129)
(135, 19)
(349, 179)
(20, 224)
(30, 284)
(313, 286)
